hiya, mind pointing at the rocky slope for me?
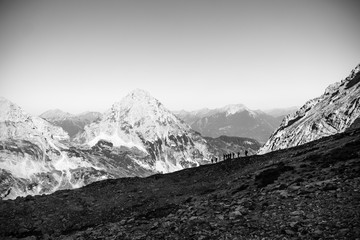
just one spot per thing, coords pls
(307, 192)
(232, 120)
(333, 112)
(72, 124)
(142, 123)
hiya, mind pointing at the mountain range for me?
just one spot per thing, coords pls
(137, 136)
(232, 120)
(37, 157)
(72, 124)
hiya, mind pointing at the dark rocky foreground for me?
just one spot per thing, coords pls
(307, 192)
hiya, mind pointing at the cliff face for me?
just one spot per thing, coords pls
(333, 112)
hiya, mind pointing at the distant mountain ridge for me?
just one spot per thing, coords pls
(72, 124)
(231, 120)
(333, 112)
(136, 137)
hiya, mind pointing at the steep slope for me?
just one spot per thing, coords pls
(233, 120)
(333, 112)
(307, 192)
(140, 122)
(72, 124)
(36, 158)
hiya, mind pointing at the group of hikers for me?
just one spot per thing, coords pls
(228, 156)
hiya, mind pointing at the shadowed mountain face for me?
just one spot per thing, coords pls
(333, 112)
(305, 192)
(232, 120)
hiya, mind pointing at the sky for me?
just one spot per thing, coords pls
(85, 55)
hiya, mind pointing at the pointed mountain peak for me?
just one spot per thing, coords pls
(9, 111)
(5, 101)
(138, 98)
(234, 108)
(139, 93)
(55, 114)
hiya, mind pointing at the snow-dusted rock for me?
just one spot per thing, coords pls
(331, 113)
(142, 123)
(37, 157)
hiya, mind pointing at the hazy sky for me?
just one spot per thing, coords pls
(85, 55)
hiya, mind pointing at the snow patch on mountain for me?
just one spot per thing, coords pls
(234, 108)
(116, 140)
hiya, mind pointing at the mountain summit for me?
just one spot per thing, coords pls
(333, 112)
(141, 123)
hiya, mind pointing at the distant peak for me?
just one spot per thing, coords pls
(55, 113)
(4, 100)
(10, 111)
(139, 93)
(234, 108)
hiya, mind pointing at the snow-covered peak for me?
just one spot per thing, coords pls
(138, 97)
(235, 108)
(24, 126)
(56, 114)
(139, 108)
(11, 112)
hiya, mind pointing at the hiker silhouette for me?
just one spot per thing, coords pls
(246, 153)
